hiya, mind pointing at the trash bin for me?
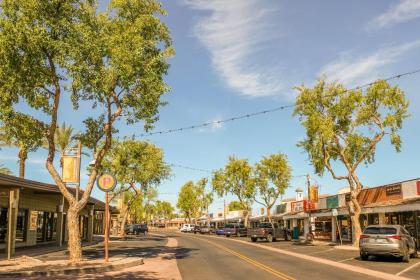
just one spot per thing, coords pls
(295, 234)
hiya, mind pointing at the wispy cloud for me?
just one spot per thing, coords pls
(236, 33)
(405, 10)
(215, 125)
(349, 69)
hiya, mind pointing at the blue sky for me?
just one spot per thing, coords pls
(241, 56)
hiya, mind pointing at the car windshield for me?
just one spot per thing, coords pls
(229, 226)
(264, 225)
(380, 230)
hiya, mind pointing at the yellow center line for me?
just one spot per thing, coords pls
(249, 260)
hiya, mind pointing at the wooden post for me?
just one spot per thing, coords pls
(106, 226)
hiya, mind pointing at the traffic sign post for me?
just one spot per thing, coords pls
(106, 183)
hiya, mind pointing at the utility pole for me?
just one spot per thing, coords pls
(308, 180)
(79, 159)
(224, 211)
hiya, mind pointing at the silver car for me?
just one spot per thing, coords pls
(387, 240)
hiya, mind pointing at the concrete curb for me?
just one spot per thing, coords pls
(74, 271)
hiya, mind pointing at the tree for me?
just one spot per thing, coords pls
(164, 210)
(5, 170)
(188, 202)
(345, 126)
(19, 132)
(112, 61)
(236, 205)
(204, 198)
(272, 177)
(137, 165)
(236, 178)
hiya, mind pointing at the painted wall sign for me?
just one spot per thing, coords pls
(393, 190)
(33, 220)
(106, 182)
(304, 205)
(332, 202)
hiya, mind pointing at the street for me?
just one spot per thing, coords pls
(209, 257)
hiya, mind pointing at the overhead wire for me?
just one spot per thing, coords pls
(280, 108)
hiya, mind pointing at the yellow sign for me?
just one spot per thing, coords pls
(70, 169)
(33, 220)
(313, 194)
(106, 182)
(262, 211)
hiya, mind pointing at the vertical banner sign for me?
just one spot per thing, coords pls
(418, 187)
(106, 183)
(313, 194)
(71, 169)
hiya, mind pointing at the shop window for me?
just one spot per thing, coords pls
(3, 224)
(21, 225)
(46, 226)
(363, 221)
(373, 219)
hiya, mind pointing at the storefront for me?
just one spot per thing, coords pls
(34, 213)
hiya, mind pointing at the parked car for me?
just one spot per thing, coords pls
(391, 240)
(141, 228)
(220, 231)
(129, 229)
(196, 229)
(187, 228)
(268, 231)
(235, 230)
(206, 230)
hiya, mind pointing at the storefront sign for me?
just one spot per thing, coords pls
(106, 182)
(304, 205)
(418, 187)
(33, 220)
(281, 208)
(393, 190)
(332, 202)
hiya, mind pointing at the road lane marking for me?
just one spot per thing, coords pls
(249, 260)
(408, 268)
(349, 259)
(323, 251)
(340, 265)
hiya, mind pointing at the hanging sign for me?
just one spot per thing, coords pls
(313, 194)
(393, 190)
(70, 169)
(106, 182)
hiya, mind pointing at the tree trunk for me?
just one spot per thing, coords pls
(74, 243)
(269, 214)
(123, 222)
(246, 218)
(354, 210)
(23, 155)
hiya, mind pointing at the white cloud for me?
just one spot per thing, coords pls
(349, 69)
(236, 32)
(403, 11)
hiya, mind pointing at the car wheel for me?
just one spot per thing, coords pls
(269, 238)
(227, 235)
(406, 256)
(253, 239)
(364, 257)
(274, 239)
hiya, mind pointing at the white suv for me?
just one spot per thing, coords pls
(187, 228)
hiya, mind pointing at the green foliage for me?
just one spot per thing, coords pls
(346, 125)
(236, 205)
(133, 162)
(164, 209)
(236, 178)
(193, 200)
(272, 177)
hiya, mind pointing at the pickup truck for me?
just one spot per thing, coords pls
(268, 231)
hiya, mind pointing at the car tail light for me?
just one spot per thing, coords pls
(395, 237)
(364, 236)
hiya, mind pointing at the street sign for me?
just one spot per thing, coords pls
(106, 182)
(334, 212)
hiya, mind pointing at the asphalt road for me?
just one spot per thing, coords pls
(203, 257)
